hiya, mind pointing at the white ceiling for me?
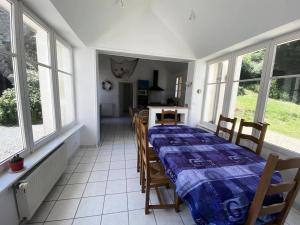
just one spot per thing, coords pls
(162, 28)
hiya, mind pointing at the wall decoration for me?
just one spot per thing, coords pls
(124, 69)
(107, 85)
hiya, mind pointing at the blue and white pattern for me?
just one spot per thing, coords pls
(216, 178)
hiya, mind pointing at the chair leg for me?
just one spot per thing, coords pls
(177, 202)
(142, 179)
(147, 197)
(138, 161)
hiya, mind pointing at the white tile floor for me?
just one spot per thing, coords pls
(101, 187)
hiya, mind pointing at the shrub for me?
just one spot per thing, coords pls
(8, 103)
(8, 108)
(241, 91)
(34, 98)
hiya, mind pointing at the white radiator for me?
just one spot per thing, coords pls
(35, 186)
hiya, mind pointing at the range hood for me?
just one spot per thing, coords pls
(155, 86)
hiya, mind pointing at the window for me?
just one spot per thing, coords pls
(39, 78)
(246, 85)
(215, 91)
(264, 86)
(65, 82)
(283, 103)
(29, 103)
(11, 138)
(178, 87)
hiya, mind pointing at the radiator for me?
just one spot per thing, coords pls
(35, 186)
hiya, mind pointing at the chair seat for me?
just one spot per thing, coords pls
(157, 174)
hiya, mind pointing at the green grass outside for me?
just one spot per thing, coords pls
(283, 117)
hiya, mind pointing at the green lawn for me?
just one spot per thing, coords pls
(283, 117)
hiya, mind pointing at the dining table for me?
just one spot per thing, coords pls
(214, 177)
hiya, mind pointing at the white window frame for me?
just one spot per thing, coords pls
(67, 45)
(20, 88)
(18, 53)
(236, 73)
(206, 124)
(178, 93)
(45, 139)
(266, 76)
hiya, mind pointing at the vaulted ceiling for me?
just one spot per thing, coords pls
(163, 27)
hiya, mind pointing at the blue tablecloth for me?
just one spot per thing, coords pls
(217, 179)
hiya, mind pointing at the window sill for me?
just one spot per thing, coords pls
(7, 179)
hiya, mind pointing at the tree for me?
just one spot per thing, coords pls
(252, 65)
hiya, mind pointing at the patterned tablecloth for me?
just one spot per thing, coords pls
(217, 179)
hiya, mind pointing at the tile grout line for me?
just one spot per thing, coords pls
(57, 198)
(80, 198)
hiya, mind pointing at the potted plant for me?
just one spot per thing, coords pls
(16, 163)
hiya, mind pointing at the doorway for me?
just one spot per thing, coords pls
(125, 98)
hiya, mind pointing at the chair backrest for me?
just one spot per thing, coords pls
(261, 129)
(165, 120)
(230, 130)
(144, 115)
(144, 145)
(265, 187)
(138, 132)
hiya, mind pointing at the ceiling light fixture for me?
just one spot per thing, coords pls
(192, 15)
(122, 3)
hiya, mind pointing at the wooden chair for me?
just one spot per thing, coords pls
(144, 115)
(258, 141)
(131, 114)
(266, 188)
(229, 131)
(154, 175)
(138, 141)
(165, 120)
(152, 154)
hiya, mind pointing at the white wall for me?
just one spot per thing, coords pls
(143, 71)
(86, 95)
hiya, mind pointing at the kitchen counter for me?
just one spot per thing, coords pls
(154, 110)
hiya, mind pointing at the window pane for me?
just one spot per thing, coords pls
(220, 100)
(224, 70)
(249, 66)
(10, 132)
(287, 60)
(41, 100)
(64, 59)
(218, 72)
(66, 98)
(36, 41)
(213, 73)
(247, 93)
(214, 102)
(283, 113)
(210, 103)
(5, 26)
